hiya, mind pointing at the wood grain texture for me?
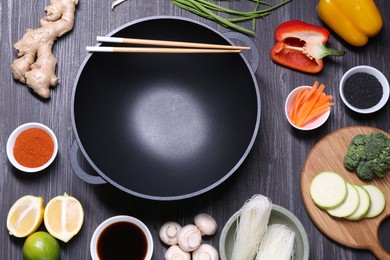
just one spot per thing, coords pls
(328, 155)
(273, 167)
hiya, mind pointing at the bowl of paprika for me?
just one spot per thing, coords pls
(364, 89)
(32, 147)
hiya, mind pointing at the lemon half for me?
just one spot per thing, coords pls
(25, 216)
(63, 217)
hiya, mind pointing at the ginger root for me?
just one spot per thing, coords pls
(36, 64)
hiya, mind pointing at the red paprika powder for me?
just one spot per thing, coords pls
(33, 148)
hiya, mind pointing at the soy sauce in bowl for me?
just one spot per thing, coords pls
(122, 240)
(122, 237)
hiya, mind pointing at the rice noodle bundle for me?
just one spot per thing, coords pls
(277, 243)
(251, 227)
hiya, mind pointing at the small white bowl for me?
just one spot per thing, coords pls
(373, 71)
(117, 219)
(310, 125)
(11, 143)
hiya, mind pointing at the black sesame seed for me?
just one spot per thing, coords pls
(362, 90)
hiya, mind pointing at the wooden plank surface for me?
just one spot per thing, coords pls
(273, 167)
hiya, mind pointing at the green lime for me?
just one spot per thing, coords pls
(41, 246)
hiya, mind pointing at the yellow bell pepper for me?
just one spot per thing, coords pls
(353, 20)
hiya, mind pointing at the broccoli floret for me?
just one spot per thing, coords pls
(368, 155)
(377, 167)
(381, 164)
(374, 147)
(379, 135)
(350, 164)
(359, 140)
(364, 172)
(357, 152)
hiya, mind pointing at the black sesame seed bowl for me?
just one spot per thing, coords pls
(364, 89)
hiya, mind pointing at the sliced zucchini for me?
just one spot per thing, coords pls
(328, 190)
(377, 201)
(364, 205)
(350, 204)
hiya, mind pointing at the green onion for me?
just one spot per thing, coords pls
(209, 9)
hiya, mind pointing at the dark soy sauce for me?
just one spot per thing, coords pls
(122, 240)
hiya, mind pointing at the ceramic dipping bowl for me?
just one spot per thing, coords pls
(378, 75)
(313, 124)
(11, 143)
(122, 237)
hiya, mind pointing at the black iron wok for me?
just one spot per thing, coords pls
(165, 126)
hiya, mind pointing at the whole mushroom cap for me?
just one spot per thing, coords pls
(168, 232)
(189, 238)
(176, 253)
(205, 252)
(206, 224)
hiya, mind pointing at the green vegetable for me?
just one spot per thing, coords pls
(368, 155)
(341, 199)
(364, 204)
(328, 190)
(378, 201)
(209, 9)
(350, 204)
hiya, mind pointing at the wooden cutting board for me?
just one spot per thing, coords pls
(327, 155)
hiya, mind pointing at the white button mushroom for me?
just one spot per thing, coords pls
(189, 238)
(175, 253)
(206, 224)
(205, 252)
(168, 233)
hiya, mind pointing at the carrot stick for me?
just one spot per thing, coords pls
(327, 105)
(308, 105)
(324, 97)
(297, 104)
(323, 100)
(314, 115)
(311, 92)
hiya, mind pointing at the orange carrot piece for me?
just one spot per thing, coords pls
(297, 104)
(323, 100)
(294, 104)
(313, 89)
(315, 115)
(327, 105)
(308, 105)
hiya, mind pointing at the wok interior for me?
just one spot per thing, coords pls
(165, 124)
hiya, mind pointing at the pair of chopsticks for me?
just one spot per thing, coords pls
(176, 46)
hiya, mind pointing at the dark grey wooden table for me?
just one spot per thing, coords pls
(272, 167)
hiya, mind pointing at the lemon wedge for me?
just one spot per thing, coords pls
(63, 217)
(25, 216)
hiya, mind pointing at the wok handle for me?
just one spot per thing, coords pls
(254, 53)
(91, 179)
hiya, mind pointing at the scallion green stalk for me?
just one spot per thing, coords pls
(209, 9)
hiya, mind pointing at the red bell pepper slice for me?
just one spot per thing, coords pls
(301, 46)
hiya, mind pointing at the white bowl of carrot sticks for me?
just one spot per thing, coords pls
(308, 107)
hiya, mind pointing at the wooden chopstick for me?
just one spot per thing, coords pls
(170, 43)
(157, 50)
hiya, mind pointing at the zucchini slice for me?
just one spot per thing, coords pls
(377, 201)
(328, 190)
(364, 204)
(350, 204)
